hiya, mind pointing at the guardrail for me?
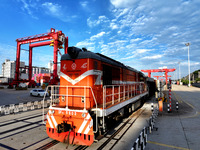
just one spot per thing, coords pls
(22, 107)
(141, 141)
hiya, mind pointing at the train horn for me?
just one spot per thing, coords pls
(73, 52)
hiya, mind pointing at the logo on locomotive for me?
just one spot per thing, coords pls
(73, 66)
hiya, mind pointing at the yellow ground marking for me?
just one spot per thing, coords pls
(165, 145)
(179, 99)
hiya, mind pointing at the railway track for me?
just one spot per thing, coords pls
(18, 120)
(138, 113)
(30, 132)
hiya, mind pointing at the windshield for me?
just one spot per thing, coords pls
(40, 90)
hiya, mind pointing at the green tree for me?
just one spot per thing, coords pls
(185, 81)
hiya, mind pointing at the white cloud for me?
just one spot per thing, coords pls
(123, 3)
(119, 32)
(27, 6)
(57, 11)
(92, 23)
(118, 42)
(113, 26)
(97, 36)
(52, 9)
(102, 17)
(153, 57)
(146, 32)
(91, 48)
(185, 63)
(140, 51)
(92, 41)
(85, 43)
(84, 3)
(135, 40)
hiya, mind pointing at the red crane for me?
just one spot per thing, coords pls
(159, 77)
(159, 70)
(52, 38)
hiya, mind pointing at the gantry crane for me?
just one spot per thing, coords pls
(160, 77)
(52, 38)
(159, 70)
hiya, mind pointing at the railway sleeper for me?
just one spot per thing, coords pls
(113, 118)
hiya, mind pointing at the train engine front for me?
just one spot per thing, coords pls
(68, 118)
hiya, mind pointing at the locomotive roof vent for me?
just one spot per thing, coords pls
(84, 49)
(74, 51)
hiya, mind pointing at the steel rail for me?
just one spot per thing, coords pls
(17, 128)
(120, 129)
(18, 120)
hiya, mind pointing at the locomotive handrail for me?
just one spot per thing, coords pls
(53, 95)
(123, 92)
(135, 84)
(43, 106)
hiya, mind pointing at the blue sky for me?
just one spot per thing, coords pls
(144, 34)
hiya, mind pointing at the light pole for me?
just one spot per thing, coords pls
(188, 44)
(179, 72)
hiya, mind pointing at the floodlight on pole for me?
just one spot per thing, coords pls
(188, 44)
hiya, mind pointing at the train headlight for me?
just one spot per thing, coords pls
(83, 115)
(63, 99)
(51, 111)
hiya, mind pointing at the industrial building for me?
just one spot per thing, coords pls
(9, 67)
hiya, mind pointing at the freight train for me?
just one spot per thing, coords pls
(94, 92)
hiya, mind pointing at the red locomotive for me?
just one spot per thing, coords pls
(94, 90)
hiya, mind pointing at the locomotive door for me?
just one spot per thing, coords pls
(107, 75)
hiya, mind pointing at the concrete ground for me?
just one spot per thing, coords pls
(12, 96)
(179, 129)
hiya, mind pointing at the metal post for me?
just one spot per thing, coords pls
(66, 44)
(104, 99)
(177, 106)
(67, 97)
(51, 95)
(17, 61)
(149, 74)
(134, 88)
(188, 44)
(119, 94)
(84, 98)
(128, 91)
(131, 91)
(179, 72)
(30, 64)
(166, 76)
(55, 51)
(124, 92)
(189, 63)
(112, 94)
(170, 96)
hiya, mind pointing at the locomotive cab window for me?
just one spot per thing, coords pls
(107, 75)
(111, 75)
(115, 75)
